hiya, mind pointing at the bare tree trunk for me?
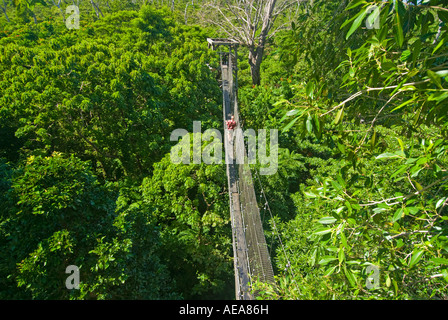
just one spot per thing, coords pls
(186, 8)
(59, 7)
(439, 32)
(97, 9)
(256, 51)
(255, 59)
(7, 18)
(4, 11)
(250, 22)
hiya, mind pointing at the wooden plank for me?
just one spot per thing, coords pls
(241, 247)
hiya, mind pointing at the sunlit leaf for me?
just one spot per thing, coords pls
(339, 116)
(398, 215)
(358, 21)
(323, 231)
(329, 271)
(327, 220)
(290, 124)
(388, 155)
(351, 278)
(416, 257)
(325, 260)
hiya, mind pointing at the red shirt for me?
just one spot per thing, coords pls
(231, 124)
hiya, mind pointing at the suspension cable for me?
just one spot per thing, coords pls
(275, 229)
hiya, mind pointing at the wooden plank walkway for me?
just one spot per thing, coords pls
(242, 280)
(251, 255)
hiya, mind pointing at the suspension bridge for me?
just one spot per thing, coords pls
(251, 256)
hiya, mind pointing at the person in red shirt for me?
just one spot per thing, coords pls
(231, 125)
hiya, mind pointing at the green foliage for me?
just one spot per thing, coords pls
(25, 8)
(57, 205)
(63, 216)
(362, 174)
(110, 94)
(380, 197)
(314, 46)
(191, 204)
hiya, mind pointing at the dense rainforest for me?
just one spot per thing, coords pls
(357, 89)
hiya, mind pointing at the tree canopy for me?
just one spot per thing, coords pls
(357, 89)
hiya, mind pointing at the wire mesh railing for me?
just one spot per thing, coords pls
(260, 266)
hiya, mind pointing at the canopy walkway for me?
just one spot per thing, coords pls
(251, 255)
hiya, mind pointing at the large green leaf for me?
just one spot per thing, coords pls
(309, 124)
(405, 103)
(389, 155)
(355, 3)
(329, 271)
(399, 36)
(398, 214)
(290, 124)
(310, 89)
(341, 255)
(327, 220)
(358, 21)
(322, 231)
(339, 116)
(292, 112)
(326, 259)
(435, 78)
(350, 276)
(439, 261)
(374, 16)
(439, 45)
(416, 257)
(442, 73)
